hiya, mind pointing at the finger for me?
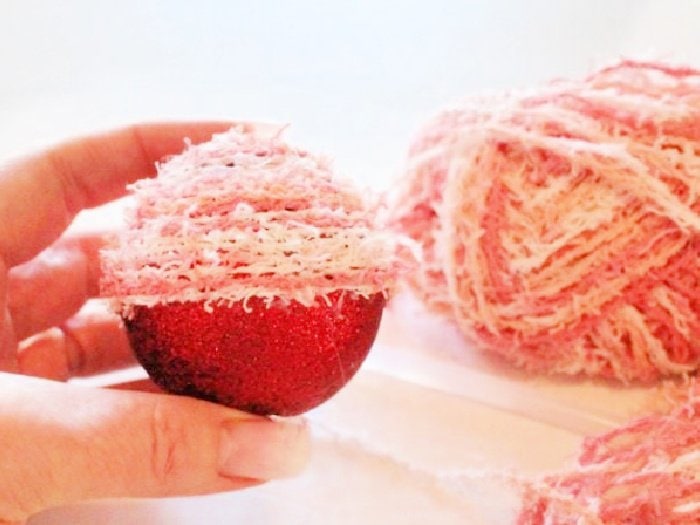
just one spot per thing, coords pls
(8, 341)
(91, 342)
(48, 289)
(41, 194)
(63, 443)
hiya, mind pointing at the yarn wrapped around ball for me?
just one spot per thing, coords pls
(246, 215)
(560, 227)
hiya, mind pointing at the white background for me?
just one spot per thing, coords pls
(355, 80)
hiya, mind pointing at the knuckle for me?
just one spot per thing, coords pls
(168, 445)
(136, 133)
(76, 354)
(64, 177)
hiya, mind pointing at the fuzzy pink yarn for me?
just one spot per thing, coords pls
(561, 227)
(246, 215)
(644, 472)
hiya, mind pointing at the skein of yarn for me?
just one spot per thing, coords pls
(561, 227)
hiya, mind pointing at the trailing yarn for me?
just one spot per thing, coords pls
(561, 227)
(647, 471)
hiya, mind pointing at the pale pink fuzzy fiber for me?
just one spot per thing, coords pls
(246, 215)
(646, 472)
(561, 227)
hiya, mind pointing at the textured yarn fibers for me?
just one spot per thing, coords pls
(645, 472)
(561, 227)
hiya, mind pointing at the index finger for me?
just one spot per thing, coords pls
(41, 194)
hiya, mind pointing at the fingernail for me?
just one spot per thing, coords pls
(263, 449)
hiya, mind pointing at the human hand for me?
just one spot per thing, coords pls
(63, 443)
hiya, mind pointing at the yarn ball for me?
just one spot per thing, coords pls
(560, 227)
(249, 274)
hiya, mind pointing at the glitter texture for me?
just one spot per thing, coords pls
(283, 359)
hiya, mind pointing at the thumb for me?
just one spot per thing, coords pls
(65, 443)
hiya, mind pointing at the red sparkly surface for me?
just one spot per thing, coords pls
(281, 359)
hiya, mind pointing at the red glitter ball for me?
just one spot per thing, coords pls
(281, 359)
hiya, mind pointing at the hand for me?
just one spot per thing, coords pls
(63, 443)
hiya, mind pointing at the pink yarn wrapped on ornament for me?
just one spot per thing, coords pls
(561, 227)
(246, 215)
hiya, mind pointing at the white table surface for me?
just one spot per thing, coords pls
(355, 79)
